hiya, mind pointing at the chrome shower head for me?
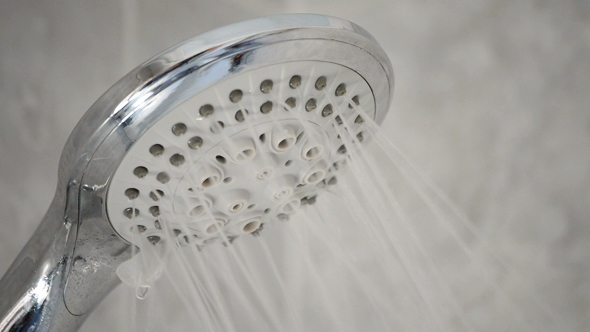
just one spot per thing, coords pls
(215, 136)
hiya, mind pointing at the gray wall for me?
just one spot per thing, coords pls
(491, 101)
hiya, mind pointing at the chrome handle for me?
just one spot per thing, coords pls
(31, 291)
(63, 272)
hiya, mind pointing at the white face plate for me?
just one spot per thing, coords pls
(244, 152)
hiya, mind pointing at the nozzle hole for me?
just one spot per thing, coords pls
(245, 155)
(295, 82)
(265, 173)
(221, 159)
(179, 129)
(185, 240)
(156, 150)
(360, 137)
(155, 210)
(299, 137)
(197, 211)
(130, 212)
(206, 110)
(355, 100)
(311, 105)
(240, 116)
(342, 149)
(286, 143)
(266, 86)
(195, 142)
(266, 107)
(153, 239)
(282, 194)
(140, 172)
(217, 127)
(153, 196)
(209, 182)
(251, 226)
(321, 83)
(313, 152)
(327, 111)
(132, 193)
(340, 90)
(138, 228)
(163, 177)
(315, 177)
(235, 96)
(236, 207)
(291, 102)
(177, 160)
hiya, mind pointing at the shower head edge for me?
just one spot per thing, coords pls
(108, 111)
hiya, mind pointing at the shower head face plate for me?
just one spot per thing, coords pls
(191, 137)
(248, 150)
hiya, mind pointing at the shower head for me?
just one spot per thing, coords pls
(215, 137)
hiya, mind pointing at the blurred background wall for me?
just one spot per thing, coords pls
(492, 101)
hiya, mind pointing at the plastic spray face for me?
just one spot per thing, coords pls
(242, 153)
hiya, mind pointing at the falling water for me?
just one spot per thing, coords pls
(363, 255)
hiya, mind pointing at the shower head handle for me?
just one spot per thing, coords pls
(33, 296)
(68, 266)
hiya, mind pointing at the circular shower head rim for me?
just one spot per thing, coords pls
(148, 92)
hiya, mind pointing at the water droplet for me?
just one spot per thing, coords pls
(142, 291)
